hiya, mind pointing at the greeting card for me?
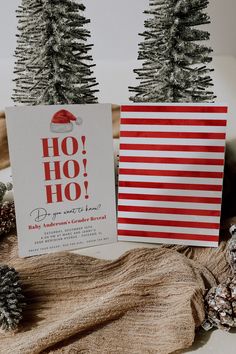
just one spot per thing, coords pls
(63, 176)
(171, 172)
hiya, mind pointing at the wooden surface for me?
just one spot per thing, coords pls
(4, 157)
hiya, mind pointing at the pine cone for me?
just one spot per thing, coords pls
(220, 301)
(7, 217)
(11, 298)
(3, 190)
(220, 304)
(9, 186)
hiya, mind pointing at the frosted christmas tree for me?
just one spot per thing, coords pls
(53, 63)
(25, 38)
(175, 63)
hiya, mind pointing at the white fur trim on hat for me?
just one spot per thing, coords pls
(61, 128)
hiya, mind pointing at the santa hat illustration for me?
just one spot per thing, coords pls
(62, 121)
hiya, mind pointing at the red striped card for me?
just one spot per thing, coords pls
(171, 173)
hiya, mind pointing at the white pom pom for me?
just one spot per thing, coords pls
(79, 121)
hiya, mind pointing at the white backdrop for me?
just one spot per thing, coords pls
(115, 25)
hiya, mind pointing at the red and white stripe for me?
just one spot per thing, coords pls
(171, 173)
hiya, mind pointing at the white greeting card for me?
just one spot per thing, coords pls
(63, 176)
(171, 173)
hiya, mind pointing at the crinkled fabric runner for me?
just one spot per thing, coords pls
(147, 301)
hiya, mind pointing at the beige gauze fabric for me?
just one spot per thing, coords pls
(147, 301)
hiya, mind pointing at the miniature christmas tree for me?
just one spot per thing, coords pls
(27, 38)
(7, 217)
(174, 65)
(53, 63)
